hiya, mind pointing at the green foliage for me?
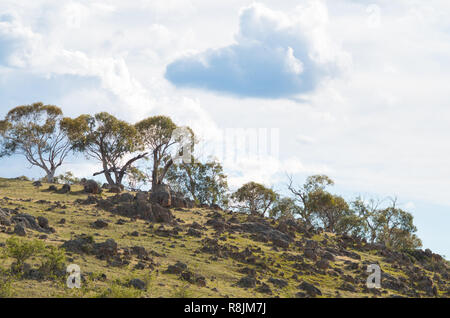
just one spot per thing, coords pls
(202, 182)
(397, 228)
(255, 198)
(391, 226)
(6, 280)
(54, 262)
(328, 208)
(156, 134)
(118, 290)
(67, 178)
(106, 139)
(284, 208)
(306, 196)
(136, 178)
(182, 292)
(34, 131)
(21, 250)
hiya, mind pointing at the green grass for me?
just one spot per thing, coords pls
(221, 275)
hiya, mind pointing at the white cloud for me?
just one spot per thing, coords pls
(275, 55)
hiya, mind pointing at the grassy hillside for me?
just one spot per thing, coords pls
(223, 259)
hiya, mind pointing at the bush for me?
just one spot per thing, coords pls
(5, 285)
(54, 262)
(21, 250)
(182, 292)
(117, 290)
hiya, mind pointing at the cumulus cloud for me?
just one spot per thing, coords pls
(276, 55)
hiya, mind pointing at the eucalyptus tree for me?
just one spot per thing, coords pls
(255, 198)
(162, 139)
(34, 131)
(113, 142)
(203, 182)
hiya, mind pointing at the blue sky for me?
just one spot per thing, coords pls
(357, 89)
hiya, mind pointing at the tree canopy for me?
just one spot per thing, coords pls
(108, 140)
(255, 198)
(205, 183)
(157, 136)
(34, 131)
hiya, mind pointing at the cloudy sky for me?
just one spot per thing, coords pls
(356, 89)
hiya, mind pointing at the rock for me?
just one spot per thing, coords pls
(100, 224)
(310, 244)
(178, 202)
(90, 200)
(30, 222)
(161, 214)
(265, 230)
(139, 251)
(193, 278)
(37, 184)
(125, 205)
(328, 256)
(322, 264)
(278, 282)
(347, 287)
(194, 232)
(138, 284)
(177, 268)
(311, 254)
(43, 222)
(141, 196)
(278, 242)
(310, 289)
(161, 195)
(52, 188)
(65, 188)
(115, 189)
(247, 282)
(91, 186)
(264, 289)
(20, 230)
(106, 249)
(62, 221)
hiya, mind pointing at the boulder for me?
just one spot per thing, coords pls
(115, 189)
(65, 188)
(310, 289)
(247, 282)
(161, 195)
(100, 224)
(138, 284)
(20, 230)
(177, 268)
(91, 186)
(141, 196)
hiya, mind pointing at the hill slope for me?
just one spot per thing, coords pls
(204, 253)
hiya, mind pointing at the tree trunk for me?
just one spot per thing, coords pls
(51, 175)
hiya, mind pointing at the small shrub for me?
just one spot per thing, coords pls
(21, 250)
(182, 292)
(54, 262)
(5, 285)
(117, 290)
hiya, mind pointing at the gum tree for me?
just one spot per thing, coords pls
(158, 137)
(107, 139)
(304, 195)
(203, 182)
(255, 198)
(34, 131)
